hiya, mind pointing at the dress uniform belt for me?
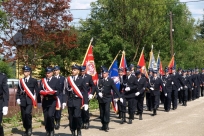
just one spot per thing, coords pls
(48, 97)
(72, 95)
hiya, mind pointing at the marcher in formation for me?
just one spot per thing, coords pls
(77, 90)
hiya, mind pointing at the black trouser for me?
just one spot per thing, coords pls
(198, 91)
(179, 96)
(194, 93)
(139, 101)
(174, 97)
(131, 107)
(1, 118)
(201, 90)
(122, 106)
(74, 117)
(189, 94)
(49, 117)
(167, 101)
(85, 116)
(155, 101)
(26, 116)
(59, 112)
(162, 96)
(184, 93)
(104, 112)
(148, 101)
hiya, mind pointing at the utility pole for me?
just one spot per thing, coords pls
(171, 34)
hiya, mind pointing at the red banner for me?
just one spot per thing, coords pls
(142, 64)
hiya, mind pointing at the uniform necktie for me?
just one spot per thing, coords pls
(121, 79)
(74, 78)
(26, 80)
(48, 80)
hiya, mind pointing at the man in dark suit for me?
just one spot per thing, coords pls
(130, 84)
(25, 96)
(104, 96)
(176, 84)
(91, 87)
(148, 94)
(77, 93)
(141, 87)
(202, 82)
(155, 83)
(60, 96)
(190, 86)
(122, 106)
(4, 98)
(50, 87)
(167, 83)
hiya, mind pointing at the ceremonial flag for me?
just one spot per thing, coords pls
(123, 63)
(152, 62)
(89, 63)
(142, 64)
(159, 65)
(171, 64)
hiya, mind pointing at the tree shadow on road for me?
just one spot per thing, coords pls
(43, 133)
(17, 131)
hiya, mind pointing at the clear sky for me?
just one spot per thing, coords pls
(196, 8)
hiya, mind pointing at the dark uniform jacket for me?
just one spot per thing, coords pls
(167, 83)
(186, 81)
(89, 83)
(4, 92)
(32, 84)
(49, 100)
(155, 84)
(105, 86)
(132, 83)
(177, 82)
(202, 78)
(72, 98)
(62, 96)
(141, 86)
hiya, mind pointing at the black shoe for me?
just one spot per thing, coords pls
(140, 116)
(29, 132)
(57, 125)
(130, 121)
(24, 134)
(73, 133)
(86, 125)
(47, 133)
(78, 132)
(52, 133)
(154, 112)
(102, 128)
(106, 128)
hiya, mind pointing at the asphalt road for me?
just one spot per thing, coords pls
(185, 121)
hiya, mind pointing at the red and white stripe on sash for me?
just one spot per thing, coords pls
(75, 89)
(24, 87)
(48, 89)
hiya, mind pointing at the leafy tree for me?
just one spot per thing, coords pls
(6, 69)
(38, 29)
(130, 25)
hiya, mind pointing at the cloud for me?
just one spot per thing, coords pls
(83, 4)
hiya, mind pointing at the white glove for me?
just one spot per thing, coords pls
(121, 100)
(165, 94)
(127, 89)
(179, 89)
(5, 110)
(86, 106)
(100, 94)
(172, 83)
(64, 105)
(151, 88)
(137, 93)
(115, 100)
(39, 105)
(18, 101)
(163, 84)
(192, 88)
(90, 96)
(185, 86)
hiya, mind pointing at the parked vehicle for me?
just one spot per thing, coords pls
(13, 86)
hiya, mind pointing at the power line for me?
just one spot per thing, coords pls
(154, 4)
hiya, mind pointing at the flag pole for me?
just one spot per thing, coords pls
(114, 59)
(140, 55)
(87, 50)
